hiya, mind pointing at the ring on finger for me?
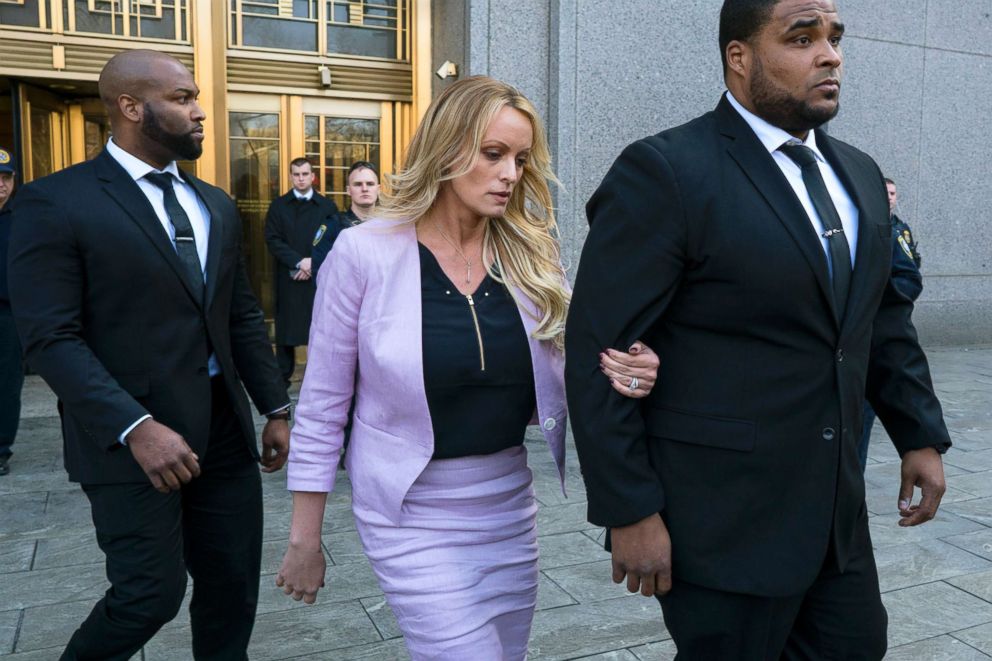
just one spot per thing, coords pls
(633, 383)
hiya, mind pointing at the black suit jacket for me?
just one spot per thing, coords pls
(747, 444)
(290, 226)
(108, 320)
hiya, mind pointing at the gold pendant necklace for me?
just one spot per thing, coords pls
(468, 262)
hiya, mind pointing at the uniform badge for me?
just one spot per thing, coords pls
(320, 234)
(4, 157)
(905, 246)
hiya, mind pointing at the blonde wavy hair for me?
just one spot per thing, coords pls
(522, 245)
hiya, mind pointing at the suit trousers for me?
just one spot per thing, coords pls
(212, 529)
(11, 380)
(840, 616)
(286, 358)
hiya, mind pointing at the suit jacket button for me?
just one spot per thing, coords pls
(828, 434)
(549, 424)
(840, 355)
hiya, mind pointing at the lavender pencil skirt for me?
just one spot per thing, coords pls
(460, 569)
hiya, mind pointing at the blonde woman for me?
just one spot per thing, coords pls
(451, 341)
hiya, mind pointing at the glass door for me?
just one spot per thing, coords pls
(266, 133)
(333, 143)
(44, 132)
(255, 182)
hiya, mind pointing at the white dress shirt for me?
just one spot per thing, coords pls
(196, 210)
(772, 138)
(303, 196)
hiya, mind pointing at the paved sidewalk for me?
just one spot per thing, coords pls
(936, 579)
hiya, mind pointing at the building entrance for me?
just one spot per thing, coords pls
(268, 131)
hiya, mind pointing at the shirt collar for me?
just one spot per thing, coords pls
(772, 137)
(136, 167)
(303, 196)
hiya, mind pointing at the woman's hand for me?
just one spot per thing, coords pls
(631, 374)
(302, 572)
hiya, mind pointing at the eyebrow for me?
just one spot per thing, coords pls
(804, 23)
(184, 90)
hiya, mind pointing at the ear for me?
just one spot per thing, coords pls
(739, 56)
(131, 108)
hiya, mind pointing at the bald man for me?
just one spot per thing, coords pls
(130, 295)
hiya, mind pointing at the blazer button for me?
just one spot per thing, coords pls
(840, 355)
(549, 424)
(828, 434)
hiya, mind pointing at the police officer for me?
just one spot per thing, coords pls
(907, 279)
(904, 234)
(11, 366)
(363, 189)
(290, 226)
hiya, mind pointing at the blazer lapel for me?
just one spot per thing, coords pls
(123, 190)
(760, 168)
(856, 188)
(215, 236)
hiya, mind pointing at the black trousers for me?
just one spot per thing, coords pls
(11, 380)
(840, 616)
(212, 529)
(286, 359)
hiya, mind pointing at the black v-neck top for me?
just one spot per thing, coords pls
(479, 378)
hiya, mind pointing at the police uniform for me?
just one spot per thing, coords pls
(904, 236)
(11, 365)
(326, 234)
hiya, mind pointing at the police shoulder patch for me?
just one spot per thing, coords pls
(320, 234)
(905, 246)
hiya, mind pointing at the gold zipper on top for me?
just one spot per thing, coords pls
(478, 331)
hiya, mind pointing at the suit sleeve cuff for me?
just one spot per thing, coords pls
(284, 407)
(122, 439)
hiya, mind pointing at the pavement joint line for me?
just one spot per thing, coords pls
(967, 644)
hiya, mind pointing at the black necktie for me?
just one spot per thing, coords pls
(185, 241)
(840, 249)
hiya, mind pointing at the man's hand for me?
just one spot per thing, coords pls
(305, 266)
(921, 468)
(301, 275)
(164, 455)
(275, 445)
(642, 552)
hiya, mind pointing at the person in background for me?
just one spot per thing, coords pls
(904, 233)
(363, 189)
(906, 278)
(11, 363)
(290, 226)
(451, 335)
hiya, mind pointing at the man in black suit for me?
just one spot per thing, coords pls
(290, 225)
(753, 253)
(131, 297)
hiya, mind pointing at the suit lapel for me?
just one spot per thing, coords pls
(765, 175)
(855, 187)
(119, 185)
(215, 237)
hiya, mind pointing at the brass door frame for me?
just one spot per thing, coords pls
(36, 98)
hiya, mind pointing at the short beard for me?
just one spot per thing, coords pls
(182, 145)
(775, 106)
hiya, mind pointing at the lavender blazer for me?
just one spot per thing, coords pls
(365, 339)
